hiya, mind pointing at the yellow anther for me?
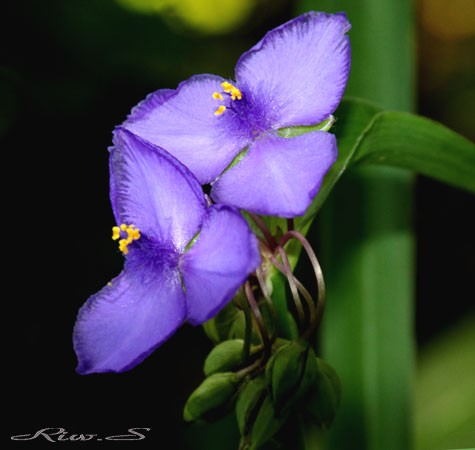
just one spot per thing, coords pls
(115, 233)
(236, 94)
(123, 246)
(220, 110)
(217, 96)
(132, 235)
(227, 86)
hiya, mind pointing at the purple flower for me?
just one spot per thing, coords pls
(183, 259)
(295, 76)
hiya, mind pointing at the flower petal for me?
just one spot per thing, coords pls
(186, 126)
(146, 106)
(300, 67)
(128, 319)
(153, 191)
(218, 263)
(278, 176)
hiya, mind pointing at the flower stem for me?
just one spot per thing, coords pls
(258, 318)
(287, 271)
(290, 224)
(321, 291)
(247, 330)
(265, 230)
(301, 288)
(270, 304)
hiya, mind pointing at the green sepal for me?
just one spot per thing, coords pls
(229, 323)
(217, 328)
(265, 426)
(290, 372)
(325, 396)
(213, 396)
(250, 398)
(225, 357)
(299, 130)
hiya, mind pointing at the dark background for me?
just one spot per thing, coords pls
(70, 71)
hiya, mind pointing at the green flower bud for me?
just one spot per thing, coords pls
(265, 426)
(229, 323)
(279, 342)
(211, 397)
(249, 401)
(324, 399)
(225, 357)
(217, 328)
(290, 372)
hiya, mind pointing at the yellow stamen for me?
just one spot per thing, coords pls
(236, 94)
(227, 86)
(217, 96)
(115, 233)
(123, 246)
(220, 110)
(132, 235)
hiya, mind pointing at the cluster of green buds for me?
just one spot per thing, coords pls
(263, 366)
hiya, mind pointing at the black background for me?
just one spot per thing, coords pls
(69, 75)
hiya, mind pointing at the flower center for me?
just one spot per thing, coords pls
(127, 234)
(229, 89)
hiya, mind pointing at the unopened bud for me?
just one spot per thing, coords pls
(217, 328)
(266, 424)
(324, 398)
(211, 397)
(290, 372)
(225, 357)
(250, 399)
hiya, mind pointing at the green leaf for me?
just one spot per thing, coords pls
(413, 142)
(445, 391)
(368, 135)
(365, 245)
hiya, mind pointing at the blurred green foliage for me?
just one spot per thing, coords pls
(206, 16)
(74, 69)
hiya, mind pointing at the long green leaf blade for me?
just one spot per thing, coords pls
(413, 142)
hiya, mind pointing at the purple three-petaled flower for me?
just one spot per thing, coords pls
(184, 260)
(295, 76)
